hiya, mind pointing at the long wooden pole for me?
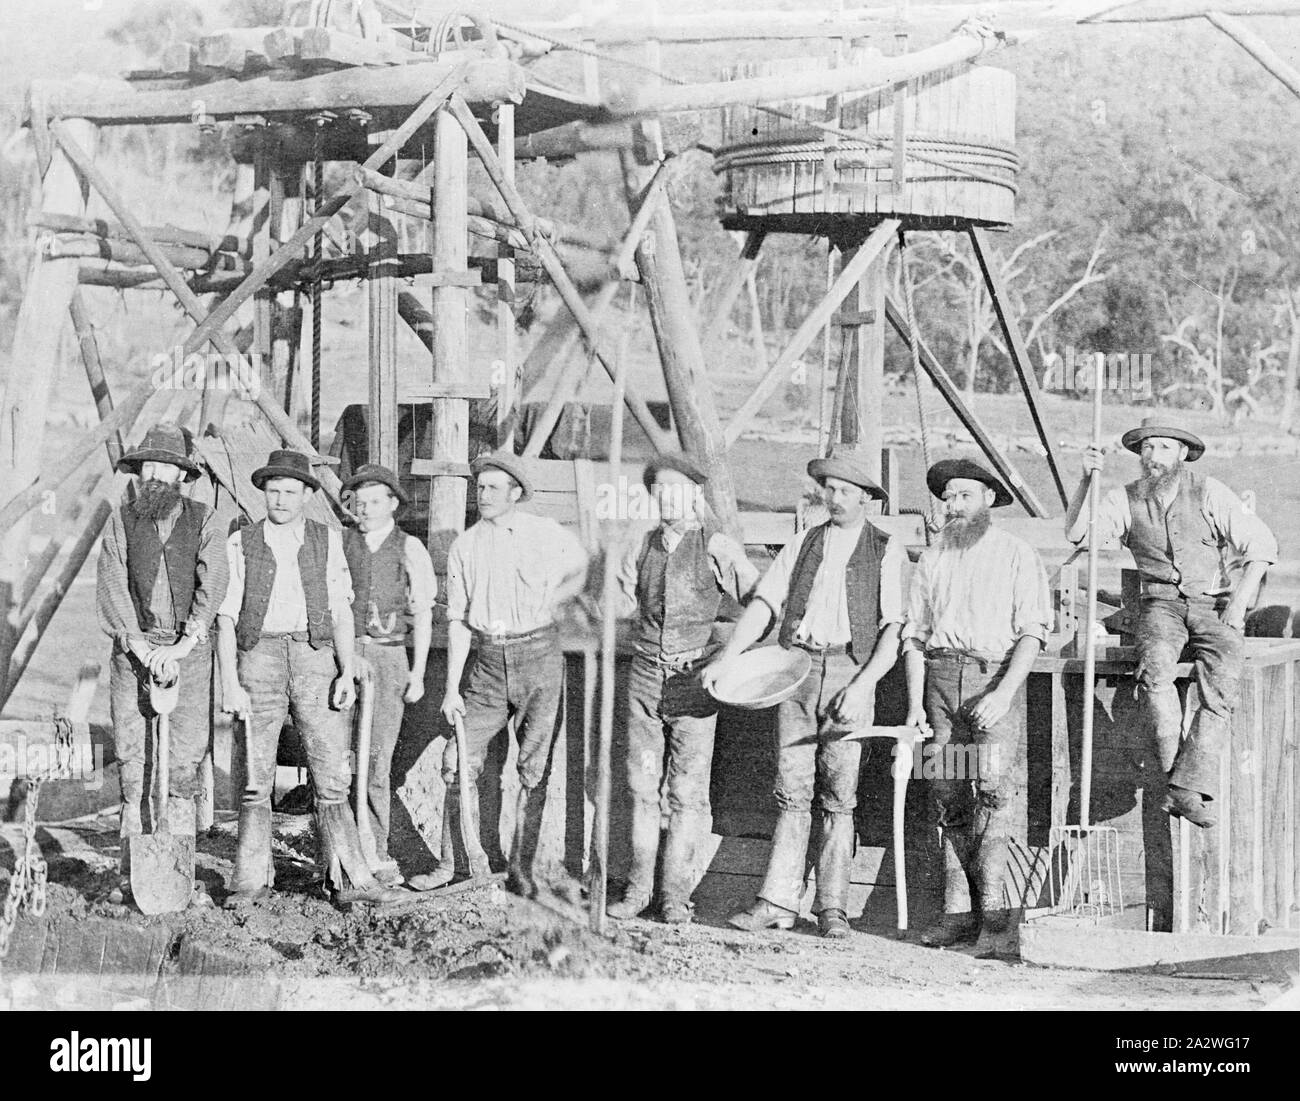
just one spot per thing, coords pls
(1090, 654)
(741, 272)
(1260, 50)
(853, 270)
(89, 345)
(507, 341)
(381, 303)
(550, 260)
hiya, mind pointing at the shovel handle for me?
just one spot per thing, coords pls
(365, 725)
(472, 845)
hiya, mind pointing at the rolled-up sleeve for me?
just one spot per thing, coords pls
(1031, 598)
(775, 585)
(626, 578)
(1249, 537)
(457, 591)
(1113, 518)
(421, 581)
(113, 603)
(891, 582)
(918, 624)
(735, 573)
(212, 579)
(234, 598)
(338, 578)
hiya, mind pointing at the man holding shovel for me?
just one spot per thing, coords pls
(162, 575)
(673, 580)
(837, 592)
(285, 643)
(394, 588)
(979, 613)
(1201, 555)
(506, 577)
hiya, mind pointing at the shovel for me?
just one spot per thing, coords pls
(162, 866)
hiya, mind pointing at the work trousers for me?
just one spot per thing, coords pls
(1165, 628)
(392, 671)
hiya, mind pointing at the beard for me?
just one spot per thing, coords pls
(157, 499)
(1158, 483)
(962, 534)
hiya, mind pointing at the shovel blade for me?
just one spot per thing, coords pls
(162, 872)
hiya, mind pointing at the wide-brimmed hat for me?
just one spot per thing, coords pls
(849, 464)
(939, 475)
(675, 461)
(374, 474)
(286, 464)
(163, 443)
(511, 464)
(1150, 426)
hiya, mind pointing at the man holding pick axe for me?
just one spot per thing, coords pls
(506, 577)
(162, 575)
(1202, 555)
(674, 579)
(285, 640)
(837, 591)
(393, 592)
(979, 613)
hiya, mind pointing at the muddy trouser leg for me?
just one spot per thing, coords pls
(796, 763)
(535, 683)
(391, 674)
(486, 713)
(645, 769)
(692, 722)
(264, 673)
(953, 797)
(325, 737)
(838, 763)
(188, 739)
(1161, 637)
(128, 702)
(995, 765)
(1218, 649)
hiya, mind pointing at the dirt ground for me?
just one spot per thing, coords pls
(486, 949)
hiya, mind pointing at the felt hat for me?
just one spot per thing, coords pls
(286, 464)
(1150, 426)
(678, 462)
(849, 464)
(374, 474)
(510, 464)
(939, 475)
(163, 443)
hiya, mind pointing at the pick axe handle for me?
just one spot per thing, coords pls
(472, 845)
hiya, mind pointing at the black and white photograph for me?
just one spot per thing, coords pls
(667, 505)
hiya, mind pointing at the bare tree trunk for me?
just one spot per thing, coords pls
(1292, 361)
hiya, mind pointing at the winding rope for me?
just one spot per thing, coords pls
(931, 514)
(318, 188)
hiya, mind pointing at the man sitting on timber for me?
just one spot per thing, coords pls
(162, 575)
(837, 592)
(393, 592)
(675, 578)
(978, 614)
(1202, 555)
(506, 577)
(285, 635)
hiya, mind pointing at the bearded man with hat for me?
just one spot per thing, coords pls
(162, 575)
(673, 580)
(836, 590)
(285, 640)
(1201, 555)
(394, 587)
(979, 613)
(507, 575)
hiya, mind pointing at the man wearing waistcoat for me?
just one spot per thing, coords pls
(978, 614)
(1201, 555)
(285, 642)
(836, 591)
(673, 580)
(162, 576)
(507, 575)
(393, 587)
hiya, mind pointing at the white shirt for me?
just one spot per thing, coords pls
(287, 608)
(421, 581)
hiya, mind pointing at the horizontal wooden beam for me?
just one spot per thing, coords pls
(116, 103)
(1260, 50)
(326, 45)
(123, 252)
(164, 235)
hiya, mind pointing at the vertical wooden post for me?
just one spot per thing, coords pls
(450, 333)
(286, 316)
(742, 273)
(34, 364)
(508, 382)
(381, 300)
(261, 223)
(659, 261)
(861, 424)
(99, 390)
(212, 411)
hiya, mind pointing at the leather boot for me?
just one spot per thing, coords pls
(990, 875)
(834, 861)
(958, 921)
(777, 904)
(641, 871)
(347, 875)
(528, 831)
(129, 825)
(679, 871)
(254, 871)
